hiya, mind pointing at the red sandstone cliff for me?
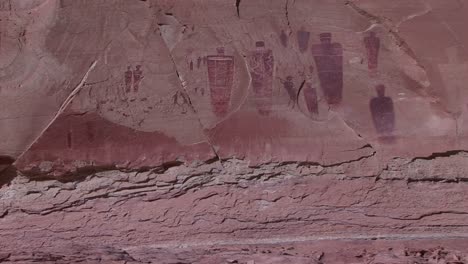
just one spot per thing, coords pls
(248, 131)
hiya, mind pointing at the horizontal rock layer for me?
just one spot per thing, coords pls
(231, 203)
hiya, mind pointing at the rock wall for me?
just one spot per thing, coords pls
(260, 131)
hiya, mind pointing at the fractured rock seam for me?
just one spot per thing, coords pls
(64, 105)
(399, 41)
(183, 86)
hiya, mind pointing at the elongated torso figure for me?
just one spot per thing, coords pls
(261, 70)
(328, 57)
(372, 44)
(220, 78)
(382, 111)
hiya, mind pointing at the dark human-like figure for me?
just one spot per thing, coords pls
(191, 65)
(62, 4)
(328, 57)
(181, 100)
(311, 98)
(70, 139)
(128, 79)
(220, 79)
(284, 39)
(311, 69)
(310, 94)
(90, 132)
(288, 85)
(261, 69)
(200, 90)
(372, 44)
(199, 60)
(303, 40)
(382, 111)
(137, 77)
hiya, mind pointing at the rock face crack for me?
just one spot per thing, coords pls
(372, 154)
(445, 154)
(298, 94)
(65, 104)
(184, 88)
(286, 15)
(420, 217)
(426, 10)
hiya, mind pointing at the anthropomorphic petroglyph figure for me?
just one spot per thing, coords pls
(181, 100)
(382, 111)
(303, 40)
(70, 139)
(288, 85)
(284, 39)
(220, 79)
(128, 79)
(311, 98)
(137, 77)
(328, 57)
(372, 44)
(90, 132)
(261, 69)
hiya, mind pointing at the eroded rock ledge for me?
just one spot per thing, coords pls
(231, 203)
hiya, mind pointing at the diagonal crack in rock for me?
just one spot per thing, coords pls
(64, 105)
(392, 29)
(184, 88)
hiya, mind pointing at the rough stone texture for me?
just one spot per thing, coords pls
(254, 131)
(343, 252)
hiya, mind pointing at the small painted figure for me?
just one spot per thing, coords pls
(328, 57)
(90, 132)
(311, 98)
(70, 139)
(372, 44)
(128, 79)
(284, 39)
(191, 65)
(382, 111)
(303, 40)
(311, 69)
(261, 70)
(220, 79)
(6, 5)
(181, 100)
(199, 60)
(288, 85)
(137, 77)
(200, 90)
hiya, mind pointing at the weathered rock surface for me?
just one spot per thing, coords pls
(279, 131)
(260, 81)
(344, 252)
